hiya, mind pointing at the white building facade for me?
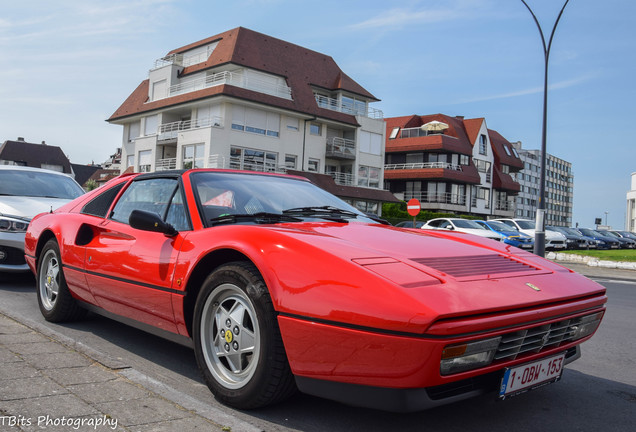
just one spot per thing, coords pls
(244, 100)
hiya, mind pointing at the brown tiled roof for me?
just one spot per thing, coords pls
(504, 181)
(472, 128)
(454, 139)
(499, 143)
(301, 67)
(34, 155)
(326, 182)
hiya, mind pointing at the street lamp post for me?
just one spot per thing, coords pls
(539, 236)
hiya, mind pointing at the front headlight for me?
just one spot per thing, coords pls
(14, 225)
(586, 325)
(468, 356)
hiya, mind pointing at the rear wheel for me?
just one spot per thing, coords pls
(237, 340)
(54, 298)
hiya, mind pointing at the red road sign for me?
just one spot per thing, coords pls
(413, 207)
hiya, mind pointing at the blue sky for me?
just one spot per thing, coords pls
(68, 65)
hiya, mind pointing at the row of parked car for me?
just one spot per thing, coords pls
(521, 232)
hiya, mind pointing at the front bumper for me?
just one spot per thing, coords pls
(12, 253)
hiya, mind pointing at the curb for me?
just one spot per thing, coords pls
(590, 261)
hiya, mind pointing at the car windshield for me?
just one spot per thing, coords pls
(464, 223)
(38, 184)
(525, 224)
(226, 197)
(572, 231)
(500, 226)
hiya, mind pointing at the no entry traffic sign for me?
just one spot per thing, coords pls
(413, 207)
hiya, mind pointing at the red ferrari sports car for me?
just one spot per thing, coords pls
(279, 286)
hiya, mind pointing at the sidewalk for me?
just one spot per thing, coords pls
(46, 385)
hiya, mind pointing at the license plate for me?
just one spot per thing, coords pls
(529, 376)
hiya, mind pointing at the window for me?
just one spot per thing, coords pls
(151, 124)
(130, 161)
(315, 129)
(483, 144)
(255, 121)
(145, 160)
(193, 156)
(99, 205)
(152, 195)
(292, 123)
(290, 162)
(159, 90)
(133, 131)
(368, 176)
(464, 160)
(370, 143)
(394, 133)
(313, 165)
(253, 160)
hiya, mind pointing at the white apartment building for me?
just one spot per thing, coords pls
(559, 187)
(630, 220)
(245, 100)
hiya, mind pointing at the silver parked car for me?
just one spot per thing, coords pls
(24, 193)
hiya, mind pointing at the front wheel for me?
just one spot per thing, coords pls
(237, 341)
(54, 298)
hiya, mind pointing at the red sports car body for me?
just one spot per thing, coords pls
(280, 286)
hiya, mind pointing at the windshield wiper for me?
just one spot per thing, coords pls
(324, 212)
(260, 218)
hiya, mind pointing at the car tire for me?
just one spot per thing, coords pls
(237, 340)
(54, 298)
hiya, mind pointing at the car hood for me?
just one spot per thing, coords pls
(28, 207)
(462, 274)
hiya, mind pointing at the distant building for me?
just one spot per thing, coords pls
(245, 100)
(630, 221)
(42, 155)
(559, 188)
(451, 164)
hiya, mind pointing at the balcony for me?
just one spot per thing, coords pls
(169, 131)
(340, 148)
(237, 79)
(336, 105)
(438, 198)
(342, 179)
(423, 165)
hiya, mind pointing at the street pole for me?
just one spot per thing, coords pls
(539, 236)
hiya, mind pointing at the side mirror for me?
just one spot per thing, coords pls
(149, 221)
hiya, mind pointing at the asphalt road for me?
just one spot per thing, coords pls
(597, 392)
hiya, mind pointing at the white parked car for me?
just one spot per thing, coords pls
(462, 225)
(553, 239)
(24, 193)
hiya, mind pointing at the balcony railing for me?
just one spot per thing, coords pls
(441, 198)
(343, 179)
(234, 79)
(505, 205)
(166, 164)
(169, 131)
(181, 60)
(423, 165)
(336, 105)
(341, 148)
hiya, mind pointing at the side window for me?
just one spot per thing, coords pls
(177, 215)
(153, 195)
(99, 205)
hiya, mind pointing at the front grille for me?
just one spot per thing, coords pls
(536, 339)
(474, 265)
(12, 256)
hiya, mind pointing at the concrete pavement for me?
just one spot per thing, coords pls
(50, 382)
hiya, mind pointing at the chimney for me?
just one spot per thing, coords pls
(43, 142)
(21, 139)
(459, 117)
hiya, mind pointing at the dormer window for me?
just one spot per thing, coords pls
(483, 144)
